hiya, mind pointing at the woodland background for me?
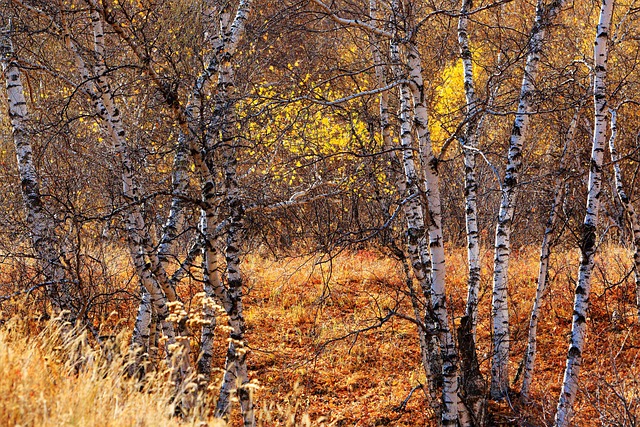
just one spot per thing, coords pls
(243, 209)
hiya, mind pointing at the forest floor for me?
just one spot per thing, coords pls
(322, 357)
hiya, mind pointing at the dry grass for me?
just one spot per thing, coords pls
(39, 387)
(314, 369)
(295, 314)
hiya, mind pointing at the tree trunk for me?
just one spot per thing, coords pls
(140, 340)
(545, 252)
(136, 229)
(588, 241)
(41, 227)
(500, 308)
(417, 248)
(473, 384)
(213, 289)
(236, 373)
(417, 243)
(470, 144)
(626, 204)
(450, 368)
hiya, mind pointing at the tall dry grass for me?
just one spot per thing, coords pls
(45, 382)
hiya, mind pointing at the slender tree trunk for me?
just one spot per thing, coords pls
(470, 145)
(500, 308)
(416, 241)
(626, 203)
(425, 338)
(213, 290)
(450, 362)
(545, 252)
(180, 182)
(412, 209)
(473, 384)
(588, 241)
(135, 223)
(141, 333)
(155, 332)
(140, 337)
(41, 227)
(236, 374)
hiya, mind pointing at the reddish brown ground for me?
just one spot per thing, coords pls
(295, 313)
(315, 369)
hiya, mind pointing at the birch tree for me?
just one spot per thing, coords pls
(407, 186)
(220, 65)
(500, 309)
(588, 235)
(151, 273)
(450, 361)
(628, 206)
(469, 145)
(41, 226)
(416, 239)
(472, 382)
(543, 270)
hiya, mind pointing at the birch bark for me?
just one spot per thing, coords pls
(136, 229)
(417, 245)
(588, 241)
(545, 252)
(41, 227)
(142, 330)
(224, 47)
(500, 308)
(626, 203)
(416, 232)
(450, 363)
(236, 373)
(472, 382)
(213, 290)
(470, 145)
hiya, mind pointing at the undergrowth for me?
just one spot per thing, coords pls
(325, 352)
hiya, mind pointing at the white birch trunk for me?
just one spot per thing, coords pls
(155, 332)
(627, 204)
(135, 223)
(588, 243)
(213, 290)
(450, 367)
(530, 352)
(472, 383)
(417, 245)
(142, 326)
(410, 187)
(236, 373)
(180, 182)
(142, 330)
(41, 227)
(545, 252)
(152, 274)
(500, 309)
(470, 184)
